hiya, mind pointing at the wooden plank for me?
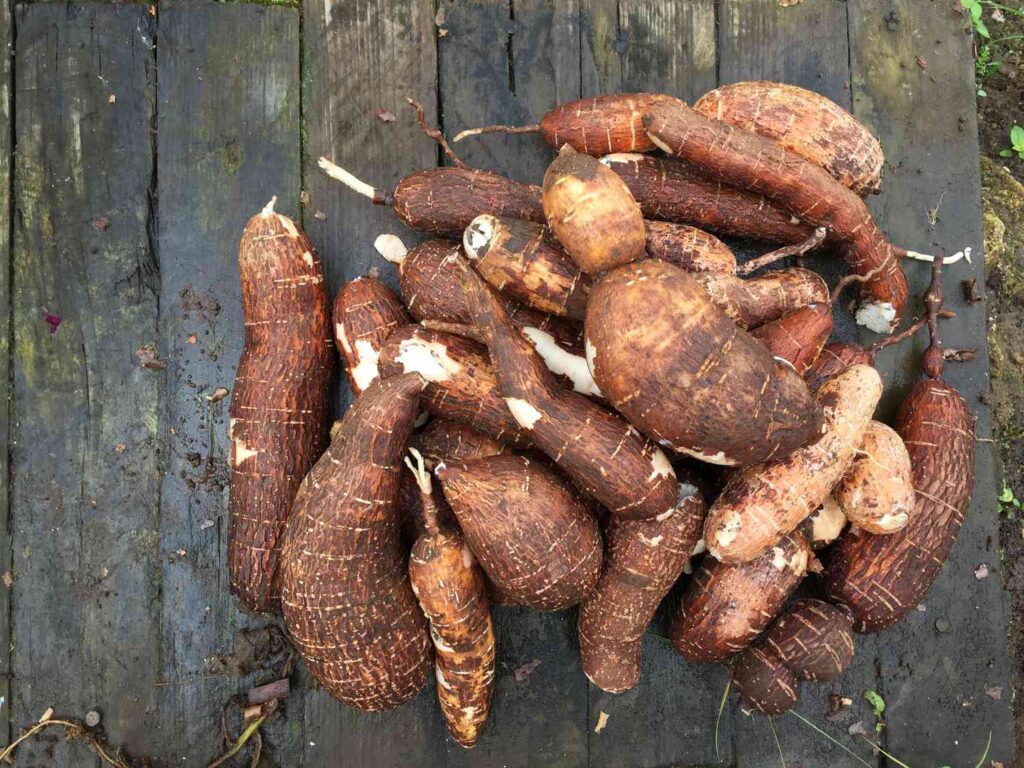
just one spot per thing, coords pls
(805, 45)
(913, 84)
(85, 454)
(483, 80)
(631, 45)
(229, 140)
(360, 57)
(6, 88)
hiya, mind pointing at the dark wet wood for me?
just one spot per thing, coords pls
(935, 681)
(85, 445)
(224, 151)
(117, 524)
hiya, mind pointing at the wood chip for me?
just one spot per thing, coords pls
(602, 721)
(857, 729)
(147, 357)
(525, 670)
(319, 215)
(995, 692)
(46, 715)
(279, 689)
(218, 394)
(981, 572)
(303, 198)
(100, 223)
(385, 116)
(8, 579)
(112, 99)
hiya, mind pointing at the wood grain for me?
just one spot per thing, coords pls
(6, 100)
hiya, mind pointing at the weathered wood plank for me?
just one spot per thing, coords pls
(6, 89)
(631, 45)
(913, 84)
(360, 57)
(804, 45)
(84, 447)
(229, 134)
(493, 60)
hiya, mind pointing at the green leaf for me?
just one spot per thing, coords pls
(980, 27)
(876, 701)
(1006, 494)
(982, 93)
(975, 9)
(1006, 153)
(1017, 137)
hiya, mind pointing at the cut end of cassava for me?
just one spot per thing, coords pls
(559, 361)
(357, 185)
(268, 209)
(879, 317)
(827, 523)
(478, 235)
(391, 248)
(523, 412)
(621, 157)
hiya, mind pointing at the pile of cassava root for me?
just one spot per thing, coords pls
(578, 394)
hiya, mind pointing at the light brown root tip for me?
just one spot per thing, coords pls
(506, 129)
(422, 476)
(391, 248)
(960, 355)
(336, 172)
(903, 253)
(796, 249)
(896, 338)
(434, 133)
(268, 209)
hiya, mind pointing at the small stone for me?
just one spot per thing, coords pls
(92, 718)
(921, 608)
(191, 338)
(942, 625)
(303, 198)
(981, 572)
(180, 552)
(120, 448)
(112, 99)
(602, 721)
(206, 524)
(100, 223)
(857, 729)
(8, 579)
(996, 692)
(385, 116)
(218, 394)
(525, 670)
(320, 216)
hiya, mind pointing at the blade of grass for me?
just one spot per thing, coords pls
(831, 738)
(778, 744)
(988, 746)
(721, 708)
(879, 748)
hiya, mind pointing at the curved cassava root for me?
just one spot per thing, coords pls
(761, 166)
(752, 301)
(644, 559)
(653, 334)
(726, 606)
(279, 404)
(365, 313)
(804, 122)
(450, 588)
(345, 588)
(883, 577)
(444, 441)
(765, 501)
(556, 560)
(799, 336)
(602, 454)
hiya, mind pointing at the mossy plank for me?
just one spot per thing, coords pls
(913, 84)
(229, 140)
(6, 86)
(804, 45)
(84, 445)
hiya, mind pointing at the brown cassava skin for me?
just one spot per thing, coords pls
(877, 491)
(883, 577)
(765, 501)
(689, 248)
(606, 457)
(653, 334)
(592, 212)
(556, 560)
(763, 682)
(450, 587)
(814, 639)
(280, 400)
(345, 589)
(461, 384)
(804, 122)
(752, 301)
(442, 201)
(365, 313)
(643, 559)
(447, 441)
(726, 606)
(671, 191)
(762, 166)
(430, 280)
(600, 124)
(835, 358)
(517, 258)
(798, 337)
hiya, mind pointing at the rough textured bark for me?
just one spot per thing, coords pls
(556, 560)
(804, 122)
(447, 441)
(365, 313)
(345, 588)
(643, 559)
(600, 125)
(669, 190)
(726, 606)
(449, 585)
(877, 491)
(883, 577)
(592, 212)
(813, 638)
(798, 337)
(762, 166)
(600, 452)
(653, 335)
(763, 682)
(765, 501)
(757, 300)
(461, 383)
(835, 358)
(280, 399)
(689, 248)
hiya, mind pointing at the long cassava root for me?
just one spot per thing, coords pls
(279, 403)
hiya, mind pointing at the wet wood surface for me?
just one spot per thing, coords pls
(134, 144)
